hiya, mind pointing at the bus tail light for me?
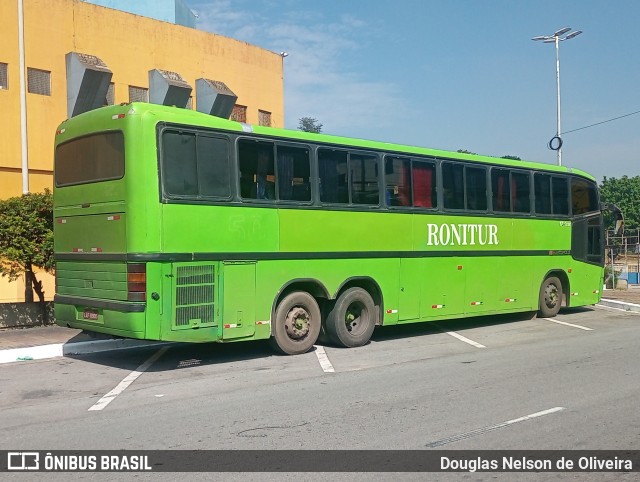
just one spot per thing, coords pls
(136, 282)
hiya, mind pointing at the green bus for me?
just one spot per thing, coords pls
(172, 224)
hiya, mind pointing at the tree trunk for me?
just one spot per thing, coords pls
(28, 283)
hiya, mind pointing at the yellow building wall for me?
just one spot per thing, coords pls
(130, 45)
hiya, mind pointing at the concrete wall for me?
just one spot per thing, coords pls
(25, 314)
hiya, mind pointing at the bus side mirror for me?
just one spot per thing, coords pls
(617, 214)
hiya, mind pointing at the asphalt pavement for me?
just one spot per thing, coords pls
(43, 342)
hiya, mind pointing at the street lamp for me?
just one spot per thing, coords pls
(556, 142)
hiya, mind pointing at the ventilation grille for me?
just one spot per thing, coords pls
(38, 81)
(4, 76)
(195, 296)
(138, 94)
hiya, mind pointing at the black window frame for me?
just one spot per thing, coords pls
(207, 133)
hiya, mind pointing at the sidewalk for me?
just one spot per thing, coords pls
(41, 342)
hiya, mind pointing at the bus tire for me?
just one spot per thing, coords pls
(352, 319)
(550, 297)
(297, 324)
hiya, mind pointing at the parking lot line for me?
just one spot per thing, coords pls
(465, 339)
(325, 363)
(128, 380)
(482, 430)
(568, 324)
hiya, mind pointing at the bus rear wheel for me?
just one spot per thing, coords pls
(352, 319)
(550, 297)
(297, 324)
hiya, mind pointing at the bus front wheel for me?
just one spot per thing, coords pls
(297, 324)
(550, 297)
(352, 319)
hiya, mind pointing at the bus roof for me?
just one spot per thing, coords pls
(190, 117)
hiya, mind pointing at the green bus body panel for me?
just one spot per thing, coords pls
(214, 272)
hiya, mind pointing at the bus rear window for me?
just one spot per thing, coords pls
(94, 158)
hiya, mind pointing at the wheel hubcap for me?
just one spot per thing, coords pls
(297, 323)
(353, 316)
(551, 295)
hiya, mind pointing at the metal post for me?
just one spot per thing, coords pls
(558, 130)
(23, 101)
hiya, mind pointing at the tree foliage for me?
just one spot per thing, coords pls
(26, 239)
(624, 193)
(309, 124)
(514, 158)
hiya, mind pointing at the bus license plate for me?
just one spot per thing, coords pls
(90, 315)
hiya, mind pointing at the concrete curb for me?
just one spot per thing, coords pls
(55, 350)
(620, 305)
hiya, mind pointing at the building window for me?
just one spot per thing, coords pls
(4, 76)
(239, 113)
(38, 81)
(138, 94)
(110, 99)
(264, 118)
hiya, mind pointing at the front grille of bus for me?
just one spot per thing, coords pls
(195, 296)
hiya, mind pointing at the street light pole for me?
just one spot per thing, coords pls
(557, 38)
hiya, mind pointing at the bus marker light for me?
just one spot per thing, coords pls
(267, 322)
(476, 303)
(232, 325)
(78, 250)
(596, 291)
(569, 270)
(436, 307)
(117, 116)
(574, 294)
(60, 131)
(509, 300)
(390, 312)
(459, 268)
(96, 250)
(61, 221)
(113, 218)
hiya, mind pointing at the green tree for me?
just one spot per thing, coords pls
(26, 239)
(515, 158)
(464, 151)
(624, 193)
(309, 124)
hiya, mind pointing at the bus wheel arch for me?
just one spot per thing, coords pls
(553, 291)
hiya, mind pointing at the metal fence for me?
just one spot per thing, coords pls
(622, 257)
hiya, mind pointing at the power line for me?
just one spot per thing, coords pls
(603, 122)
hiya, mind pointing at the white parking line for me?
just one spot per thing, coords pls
(465, 339)
(482, 430)
(568, 324)
(326, 365)
(128, 380)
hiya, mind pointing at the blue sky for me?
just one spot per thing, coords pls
(455, 74)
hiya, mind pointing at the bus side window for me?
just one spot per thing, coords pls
(560, 193)
(542, 191)
(476, 188)
(179, 163)
(332, 167)
(398, 181)
(293, 174)
(501, 188)
(423, 175)
(453, 185)
(364, 179)
(257, 175)
(520, 192)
